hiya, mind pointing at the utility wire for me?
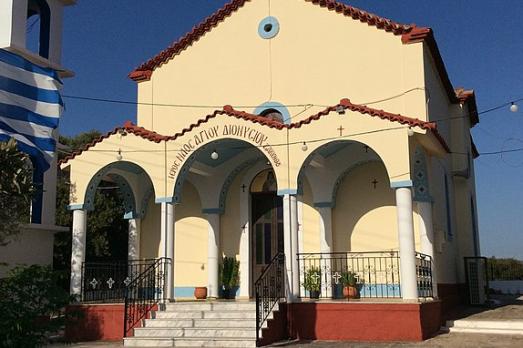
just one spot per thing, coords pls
(245, 147)
(306, 105)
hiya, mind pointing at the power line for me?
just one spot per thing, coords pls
(304, 105)
(247, 146)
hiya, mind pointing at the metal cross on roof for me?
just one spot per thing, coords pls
(110, 283)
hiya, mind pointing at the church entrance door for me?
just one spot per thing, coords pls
(266, 231)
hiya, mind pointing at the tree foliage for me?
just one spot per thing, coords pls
(505, 269)
(32, 304)
(16, 190)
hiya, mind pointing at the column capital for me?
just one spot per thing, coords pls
(169, 200)
(292, 192)
(212, 211)
(74, 207)
(323, 204)
(401, 184)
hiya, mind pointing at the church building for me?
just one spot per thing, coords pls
(311, 143)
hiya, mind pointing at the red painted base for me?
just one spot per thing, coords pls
(95, 323)
(364, 321)
(356, 321)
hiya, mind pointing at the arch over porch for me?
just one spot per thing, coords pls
(135, 185)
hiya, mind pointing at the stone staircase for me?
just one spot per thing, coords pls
(198, 324)
(507, 327)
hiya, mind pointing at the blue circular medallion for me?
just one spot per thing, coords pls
(269, 27)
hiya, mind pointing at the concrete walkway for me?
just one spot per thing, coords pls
(451, 340)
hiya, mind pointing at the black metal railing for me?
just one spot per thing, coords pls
(424, 275)
(144, 292)
(270, 289)
(377, 274)
(104, 282)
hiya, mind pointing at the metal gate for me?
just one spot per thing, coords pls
(477, 280)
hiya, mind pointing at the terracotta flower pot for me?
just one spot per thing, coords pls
(200, 292)
(350, 292)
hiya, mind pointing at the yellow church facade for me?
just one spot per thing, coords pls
(297, 127)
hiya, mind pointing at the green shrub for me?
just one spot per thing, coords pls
(230, 273)
(312, 279)
(31, 304)
(349, 279)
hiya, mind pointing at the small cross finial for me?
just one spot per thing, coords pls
(366, 148)
(341, 129)
(316, 278)
(336, 277)
(243, 187)
(375, 183)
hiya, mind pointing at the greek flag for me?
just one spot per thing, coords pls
(30, 107)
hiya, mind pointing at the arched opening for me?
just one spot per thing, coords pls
(116, 200)
(38, 27)
(267, 221)
(225, 184)
(356, 223)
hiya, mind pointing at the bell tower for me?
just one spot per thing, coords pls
(33, 29)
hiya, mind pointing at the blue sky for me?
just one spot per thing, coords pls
(481, 42)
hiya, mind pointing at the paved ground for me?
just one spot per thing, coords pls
(505, 307)
(444, 341)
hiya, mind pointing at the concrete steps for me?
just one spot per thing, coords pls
(193, 324)
(507, 327)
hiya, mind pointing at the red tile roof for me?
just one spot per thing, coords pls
(363, 109)
(144, 71)
(228, 110)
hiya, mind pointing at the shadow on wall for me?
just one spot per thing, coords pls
(364, 218)
(151, 231)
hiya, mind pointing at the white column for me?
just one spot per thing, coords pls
(78, 250)
(245, 245)
(134, 239)
(326, 247)
(427, 239)
(287, 246)
(167, 228)
(290, 235)
(325, 229)
(409, 286)
(295, 246)
(213, 254)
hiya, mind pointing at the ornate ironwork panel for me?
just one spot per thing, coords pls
(270, 289)
(105, 282)
(144, 292)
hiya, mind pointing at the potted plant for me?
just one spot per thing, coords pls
(350, 283)
(200, 292)
(312, 282)
(229, 277)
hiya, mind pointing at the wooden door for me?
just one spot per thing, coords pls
(267, 230)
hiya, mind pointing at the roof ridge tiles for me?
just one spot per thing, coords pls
(231, 112)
